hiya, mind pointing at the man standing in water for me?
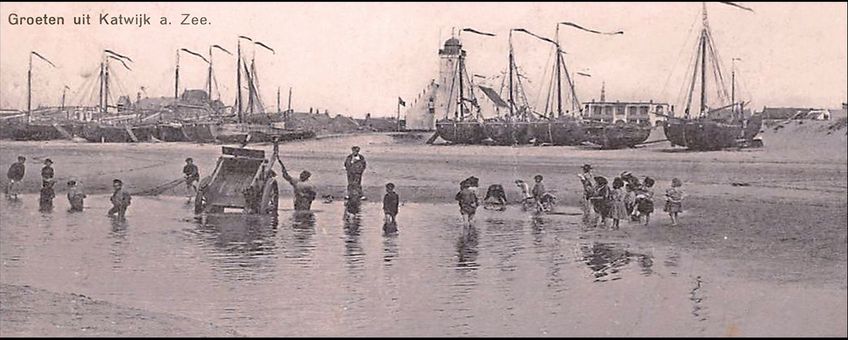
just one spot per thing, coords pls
(354, 165)
(120, 199)
(15, 175)
(192, 175)
(304, 192)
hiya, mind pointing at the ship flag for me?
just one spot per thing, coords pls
(589, 30)
(43, 58)
(195, 54)
(118, 55)
(401, 102)
(121, 61)
(265, 46)
(531, 33)
(478, 32)
(222, 49)
(737, 5)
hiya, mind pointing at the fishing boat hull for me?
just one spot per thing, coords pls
(201, 132)
(508, 133)
(709, 135)
(35, 132)
(618, 135)
(558, 132)
(232, 133)
(97, 133)
(171, 132)
(144, 133)
(470, 132)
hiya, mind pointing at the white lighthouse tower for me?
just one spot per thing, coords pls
(433, 102)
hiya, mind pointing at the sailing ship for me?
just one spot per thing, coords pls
(514, 127)
(558, 127)
(465, 126)
(712, 128)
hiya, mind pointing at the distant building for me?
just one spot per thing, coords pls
(631, 112)
(783, 112)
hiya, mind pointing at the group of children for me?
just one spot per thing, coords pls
(627, 199)
(76, 196)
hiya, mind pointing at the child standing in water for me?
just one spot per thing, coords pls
(674, 200)
(645, 200)
(390, 208)
(75, 196)
(467, 199)
(618, 207)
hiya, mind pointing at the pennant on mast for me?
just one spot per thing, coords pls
(589, 30)
(195, 54)
(43, 58)
(736, 5)
(478, 32)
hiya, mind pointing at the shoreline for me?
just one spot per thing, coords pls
(29, 311)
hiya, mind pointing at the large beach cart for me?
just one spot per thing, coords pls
(242, 179)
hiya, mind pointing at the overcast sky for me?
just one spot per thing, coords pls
(355, 58)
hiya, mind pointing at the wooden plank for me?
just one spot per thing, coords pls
(132, 135)
(241, 152)
(433, 138)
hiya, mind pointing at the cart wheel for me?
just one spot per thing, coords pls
(270, 199)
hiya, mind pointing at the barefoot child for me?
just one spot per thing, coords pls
(645, 200)
(390, 208)
(674, 200)
(618, 208)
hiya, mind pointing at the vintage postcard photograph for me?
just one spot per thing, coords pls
(424, 169)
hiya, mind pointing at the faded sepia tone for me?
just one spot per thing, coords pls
(277, 227)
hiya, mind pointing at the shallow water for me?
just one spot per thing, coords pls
(316, 274)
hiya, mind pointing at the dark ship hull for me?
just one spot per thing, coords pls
(470, 132)
(508, 133)
(201, 132)
(35, 132)
(562, 131)
(144, 133)
(98, 133)
(171, 132)
(619, 135)
(710, 135)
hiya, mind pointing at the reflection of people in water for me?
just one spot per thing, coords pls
(605, 259)
(466, 248)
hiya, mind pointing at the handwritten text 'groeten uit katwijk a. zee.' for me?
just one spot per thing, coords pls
(105, 19)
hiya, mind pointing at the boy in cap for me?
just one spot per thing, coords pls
(15, 176)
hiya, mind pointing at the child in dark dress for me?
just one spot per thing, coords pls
(645, 200)
(601, 200)
(390, 208)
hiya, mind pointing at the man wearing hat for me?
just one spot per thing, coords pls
(588, 181)
(354, 166)
(47, 193)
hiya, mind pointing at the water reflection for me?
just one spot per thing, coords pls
(303, 230)
(354, 255)
(390, 249)
(608, 259)
(118, 235)
(466, 247)
(242, 246)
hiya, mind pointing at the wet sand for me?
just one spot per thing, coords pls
(26, 311)
(784, 222)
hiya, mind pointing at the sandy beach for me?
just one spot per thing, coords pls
(776, 214)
